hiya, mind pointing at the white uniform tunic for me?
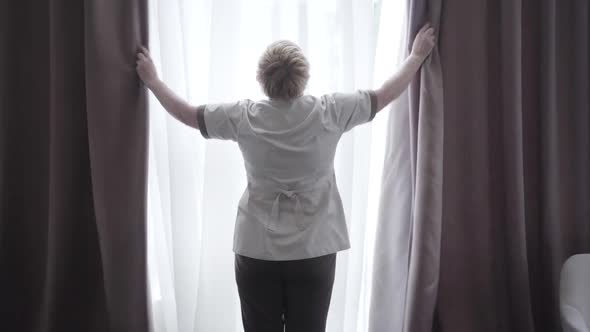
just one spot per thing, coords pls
(291, 208)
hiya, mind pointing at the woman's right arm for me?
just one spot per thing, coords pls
(173, 104)
(393, 87)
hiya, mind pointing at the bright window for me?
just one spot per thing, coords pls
(207, 51)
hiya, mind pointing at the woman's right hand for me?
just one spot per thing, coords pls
(146, 68)
(424, 42)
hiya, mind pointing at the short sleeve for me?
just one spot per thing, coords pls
(348, 110)
(221, 121)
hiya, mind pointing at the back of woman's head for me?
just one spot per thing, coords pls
(283, 70)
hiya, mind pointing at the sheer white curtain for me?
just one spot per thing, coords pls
(207, 51)
(393, 233)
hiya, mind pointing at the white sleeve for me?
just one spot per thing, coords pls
(221, 121)
(345, 111)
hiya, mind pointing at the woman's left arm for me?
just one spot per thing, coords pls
(176, 106)
(393, 87)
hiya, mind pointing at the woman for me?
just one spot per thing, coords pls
(290, 222)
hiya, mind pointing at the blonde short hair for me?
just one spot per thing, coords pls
(283, 70)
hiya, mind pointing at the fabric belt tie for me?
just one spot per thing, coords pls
(274, 214)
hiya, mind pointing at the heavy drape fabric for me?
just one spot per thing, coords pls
(513, 164)
(405, 275)
(73, 163)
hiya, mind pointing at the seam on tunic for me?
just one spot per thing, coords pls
(244, 109)
(201, 121)
(373, 96)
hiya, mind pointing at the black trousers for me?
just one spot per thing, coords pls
(290, 295)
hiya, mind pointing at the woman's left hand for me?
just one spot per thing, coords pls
(146, 68)
(424, 42)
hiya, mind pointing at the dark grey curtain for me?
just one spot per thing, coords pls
(499, 151)
(73, 152)
(516, 160)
